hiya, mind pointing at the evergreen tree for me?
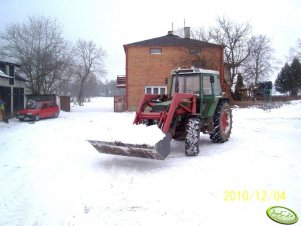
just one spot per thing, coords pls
(281, 83)
(296, 76)
(239, 84)
(289, 79)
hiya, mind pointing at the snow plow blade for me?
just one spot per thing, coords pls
(159, 151)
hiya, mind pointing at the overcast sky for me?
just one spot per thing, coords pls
(113, 23)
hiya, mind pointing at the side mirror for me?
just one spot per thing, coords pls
(212, 79)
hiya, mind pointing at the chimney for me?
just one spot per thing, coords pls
(170, 32)
(186, 32)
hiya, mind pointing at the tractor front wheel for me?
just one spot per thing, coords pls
(222, 120)
(192, 137)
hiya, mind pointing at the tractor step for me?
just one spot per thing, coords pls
(159, 151)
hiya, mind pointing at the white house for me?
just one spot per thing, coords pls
(12, 87)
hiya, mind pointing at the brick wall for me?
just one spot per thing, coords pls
(145, 69)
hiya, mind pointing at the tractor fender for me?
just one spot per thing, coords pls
(211, 110)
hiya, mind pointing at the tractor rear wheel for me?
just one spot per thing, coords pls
(192, 137)
(222, 120)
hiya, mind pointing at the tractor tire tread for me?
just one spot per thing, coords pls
(192, 137)
(218, 136)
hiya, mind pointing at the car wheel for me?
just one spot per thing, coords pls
(56, 114)
(37, 117)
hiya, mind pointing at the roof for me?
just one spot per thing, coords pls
(171, 40)
(10, 63)
(4, 75)
(20, 78)
(17, 76)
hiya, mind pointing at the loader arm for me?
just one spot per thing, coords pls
(180, 103)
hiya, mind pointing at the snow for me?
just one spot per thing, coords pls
(51, 175)
(2, 74)
(138, 134)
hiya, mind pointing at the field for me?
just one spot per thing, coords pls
(50, 174)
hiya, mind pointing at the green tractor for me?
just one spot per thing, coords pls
(195, 104)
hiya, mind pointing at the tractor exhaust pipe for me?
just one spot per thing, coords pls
(159, 151)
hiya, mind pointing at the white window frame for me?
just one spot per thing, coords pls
(158, 87)
(157, 51)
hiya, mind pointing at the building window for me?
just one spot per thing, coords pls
(155, 89)
(163, 90)
(195, 52)
(12, 81)
(199, 63)
(155, 51)
(11, 72)
(148, 90)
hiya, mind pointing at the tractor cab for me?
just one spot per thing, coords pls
(204, 84)
(190, 81)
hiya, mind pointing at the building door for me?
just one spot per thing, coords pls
(18, 99)
(5, 92)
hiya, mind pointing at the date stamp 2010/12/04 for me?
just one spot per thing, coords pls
(254, 195)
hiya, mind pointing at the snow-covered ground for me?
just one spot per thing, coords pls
(50, 174)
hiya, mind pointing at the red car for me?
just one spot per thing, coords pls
(38, 110)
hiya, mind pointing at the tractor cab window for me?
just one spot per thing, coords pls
(186, 84)
(207, 85)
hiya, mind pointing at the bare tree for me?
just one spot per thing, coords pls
(258, 65)
(87, 60)
(236, 38)
(204, 57)
(237, 41)
(201, 34)
(39, 47)
(91, 87)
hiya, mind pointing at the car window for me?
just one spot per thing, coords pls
(45, 106)
(38, 105)
(52, 104)
(31, 104)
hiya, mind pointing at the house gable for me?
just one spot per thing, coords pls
(150, 62)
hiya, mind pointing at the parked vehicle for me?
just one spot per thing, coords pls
(38, 110)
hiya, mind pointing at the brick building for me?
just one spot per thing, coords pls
(150, 62)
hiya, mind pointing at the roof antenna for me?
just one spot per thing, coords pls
(184, 27)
